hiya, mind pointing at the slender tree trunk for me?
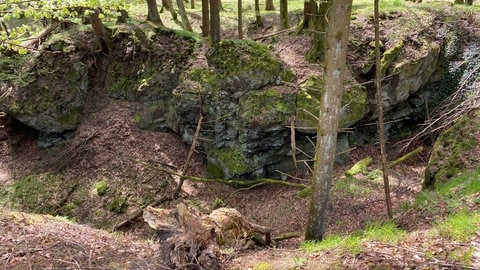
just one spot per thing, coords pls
(284, 23)
(205, 19)
(469, 2)
(153, 14)
(168, 5)
(317, 51)
(183, 13)
(381, 126)
(310, 15)
(258, 17)
(192, 4)
(99, 31)
(269, 5)
(333, 76)
(215, 20)
(240, 21)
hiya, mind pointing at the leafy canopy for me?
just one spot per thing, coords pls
(22, 19)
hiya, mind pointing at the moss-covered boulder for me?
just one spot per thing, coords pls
(455, 150)
(47, 90)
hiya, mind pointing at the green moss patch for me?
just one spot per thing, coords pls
(229, 162)
(449, 156)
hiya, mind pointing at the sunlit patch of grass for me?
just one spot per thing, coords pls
(352, 243)
(352, 186)
(262, 266)
(460, 226)
(387, 233)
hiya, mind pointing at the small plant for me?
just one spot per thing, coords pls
(460, 226)
(299, 261)
(262, 266)
(101, 187)
(118, 204)
(217, 203)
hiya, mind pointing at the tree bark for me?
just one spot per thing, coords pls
(284, 23)
(205, 19)
(269, 5)
(99, 30)
(317, 52)
(153, 14)
(183, 13)
(168, 5)
(215, 20)
(192, 4)
(258, 17)
(334, 69)
(310, 14)
(381, 127)
(240, 21)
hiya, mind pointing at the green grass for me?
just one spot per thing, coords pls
(460, 226)
(352, 243)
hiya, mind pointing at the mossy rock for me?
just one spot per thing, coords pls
(266, 108)
(354, 103)
(50, 94)
(450, 154)
(228, 163)
(149, 62)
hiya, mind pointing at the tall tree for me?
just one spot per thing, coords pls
(215, 20)
(269, 5)
(284, 23)
(205, 19)
(168, 5)
(381, 127)
(153, 14)
(318, 25)
(240, 21)
(183, 13)
(334, 67)
(258, 17)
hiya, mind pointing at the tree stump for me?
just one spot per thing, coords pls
(189, 240)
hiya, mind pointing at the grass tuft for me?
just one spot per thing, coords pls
(460, 226)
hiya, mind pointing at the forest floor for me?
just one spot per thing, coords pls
(108, 141)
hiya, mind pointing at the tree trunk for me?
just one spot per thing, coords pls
(183, 13)
(215, 20)
(317, 52)
(99, 31)
(333, 75)
(205, 19)
(381, 126)
(192, 4)
(310, 14)
(153, 15)
(240, 21)
(284, 23)
(469, 2)
(258, 17)
(168, 5)
(460, 2)
(269, 5)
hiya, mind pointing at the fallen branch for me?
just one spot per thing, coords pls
(405, 157)
(276, 33)
(235, 182)
(286, 236)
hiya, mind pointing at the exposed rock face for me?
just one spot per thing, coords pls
(237, 86)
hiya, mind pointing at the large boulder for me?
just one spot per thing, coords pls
(47, 90)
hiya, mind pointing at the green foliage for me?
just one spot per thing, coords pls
(24, 18)
(40, 193)
(101, 187)
(118, 204)
(387, 233)
(460, 226)
(263, 266)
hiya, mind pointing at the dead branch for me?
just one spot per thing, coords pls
(405, 157)
(276, 33)
(35, 42)
(293, 143)
(235, 182)
(189, 156)
(286, 236)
